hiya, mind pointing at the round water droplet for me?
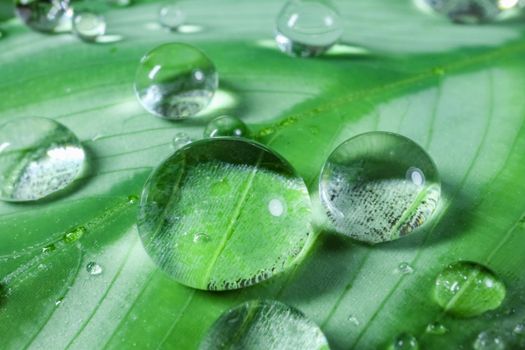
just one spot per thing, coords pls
(201, 238)
(226, 125)
(404, 341)
(519, 328)
(405, 268)
(180, 140)
(132, 199)
(120, 3)
(436, 328)
(38, 157)
(489, 340)
(307, 28)
(471, 11)
(93, 268)
(221, 187)
(467, 289)
(264, 325)
(50, 16)
(74, 234)
(379, 186)
(88, 26)
(175, 81)
(171, 15)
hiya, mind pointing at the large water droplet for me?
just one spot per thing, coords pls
(175, 81)
(307, 28)
(93, 268)
(471, 11)
(226, 125)
(264, 325)
(89, 26)
(224, 187)
(171, 15)
(436, 328)
(38, 157)
(51, 16)
(404, 341)
(379, 186)
(489, 340)
(468, 289)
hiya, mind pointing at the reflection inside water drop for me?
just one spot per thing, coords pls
(276, 207)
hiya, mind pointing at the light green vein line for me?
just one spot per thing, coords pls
(433, 118)
(106, 292)
(177, 319)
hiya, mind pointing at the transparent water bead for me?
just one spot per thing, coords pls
(489, 340)
(226, 125)
(89, 26)
(171, 15)
(93, 268)
(267, 324)
(175, 81)
(379, 186)
(471, 11)
(404, 341)
(38, 157)
(467, 289)
(50, 16)
(436, 328)
(405, 268)
(120, 3)
(307, 28)
(180, 140)
(204, 216)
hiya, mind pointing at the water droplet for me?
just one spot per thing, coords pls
(89, 26)
(180, 140)
(93, 268)
(222, 187)
(519, 328)
(49, 248)
(354, 320)
(132, 199)
(404, 341)
(75, 234)
(471, 11)
(307, 28)
(264, 325)
(276, 207)
(175, 81)
(436, 328)
(201, 238)
(489, 340)
(38, 157)
(171, 15)
(120, 3)
(51, 16)
(226, 125)
(405, 268)
(379, 186)
(59, 301)
(468, 289)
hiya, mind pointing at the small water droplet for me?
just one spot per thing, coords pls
(201, 238)
(405, 268)
(489, 340)
(468, 289)
(45, 15)
(276, 207)
(132, 199)
(307, 28)
(226, 125)
(354, 320)
(49, 248)
(404, 341)
(89, 26)
(519, 328)
(365, 192)
(436, 328)
(171, 15)
(120, 3)
(74, 234)
(221, 187)
(39, 157)
(93, 268)
(175, 81)
(59, 301)
(180, 140)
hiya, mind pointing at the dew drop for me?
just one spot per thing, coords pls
(120, 3)
(175, 81)
(59, 301)
(519, 328)
(52, 16)
(75, 234)
(216, 186)
(405, 268)
(49, 248)
(489, 340)
(307, 28)
(467, 289)
(171, 15)
(201, 238)
(226, 125)
(471, 11)
(354, 320)
(264, 325)
(180, 140)
(89, 26)
(38, 157)
(436, 328)
(132, 199)
(379, 186)
(404, 341)
(93, 268)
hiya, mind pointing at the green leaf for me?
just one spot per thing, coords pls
(455, 90)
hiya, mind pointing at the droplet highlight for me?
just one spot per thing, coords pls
(405, 268)
(180, 140)
(175, 81)
(38, 157)
(436, 328)
(51, 16)
(89, 26)
(226, 125)
(93, 268)
(468, 289)
(74, 234)
(489, 340)
(379, 186)
(307, 28)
